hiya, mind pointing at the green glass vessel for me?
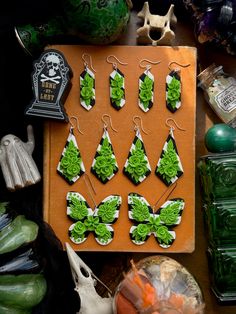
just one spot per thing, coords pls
(223, 272)
(218, 176)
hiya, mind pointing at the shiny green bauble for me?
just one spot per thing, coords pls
(221, 138)
(97, 21)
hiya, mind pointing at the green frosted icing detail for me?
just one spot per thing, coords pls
(105, 163)
(107, 210)
(169, 215)
(70, 164)
(169, 163)
(146, 89)
(137, 163)
(19, 232)
(163, 235)
(78, 231)
(87, 92)
(140, 210)
(78, 208)
(102, 233)
(173, 92)
(117, 92)
(140, 233)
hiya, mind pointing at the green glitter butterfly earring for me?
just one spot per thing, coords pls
(137, 167)
(87, 84)
(169, 167)
(117, 84)
(104, 165)
(173, 87)
(146, 86)
(71, 166)
(147, 220)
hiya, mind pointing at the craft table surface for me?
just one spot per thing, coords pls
(109, 266)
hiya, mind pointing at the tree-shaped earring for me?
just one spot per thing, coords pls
(137, 167)
(117, 84)
(146, 85)
(169, 167)
(87, 84)
(71, 166)
(104, 165)
(173, 87)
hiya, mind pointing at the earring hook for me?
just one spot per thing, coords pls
(86, 64)
(136, 127)
(90, 185)
(77, 124)
(175, 123)
(114, 64)
(170, 192)
(147, 66)
(181, 65)
(105, 123)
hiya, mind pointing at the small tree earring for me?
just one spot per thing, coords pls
(146, 86)
(169, 167)
(87, 84)
(173, 87)
(104, 165)
(117, 84)
(137, 167)
(71, 166)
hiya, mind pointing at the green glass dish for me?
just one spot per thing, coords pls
(223, 272)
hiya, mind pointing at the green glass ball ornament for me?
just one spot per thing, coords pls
(220, 138)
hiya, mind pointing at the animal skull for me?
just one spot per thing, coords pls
(90, 301)
(52, 63)
(156, 23)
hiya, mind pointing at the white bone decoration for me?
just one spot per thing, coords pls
(156, 23)
(90, 301)
(18, 167)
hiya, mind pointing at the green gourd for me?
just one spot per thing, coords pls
(10, 310)
(21, 292)
(220, 138)
(20, 231)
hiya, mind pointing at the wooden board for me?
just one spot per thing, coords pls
(56, 188)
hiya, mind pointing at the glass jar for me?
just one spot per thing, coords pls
(220, 92)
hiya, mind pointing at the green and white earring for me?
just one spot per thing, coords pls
(137, 167)
(116, 84)
(87, 84)
(104, 165)
(71, 166)
(146, 86)
(173, 88)
(169, 167)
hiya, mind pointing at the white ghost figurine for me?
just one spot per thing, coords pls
(18, 167)
(90, 301)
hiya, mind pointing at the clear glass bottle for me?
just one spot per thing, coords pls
(220, 92)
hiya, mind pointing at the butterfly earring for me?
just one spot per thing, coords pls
(87, 84)
(104, 165)
(86, 220)
(173, 88)
(137, 167)
(169, 167)
(146, 86)
(117, 84)
(147, 220)
(71, 166)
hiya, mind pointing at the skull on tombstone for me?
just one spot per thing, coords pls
(52, 63)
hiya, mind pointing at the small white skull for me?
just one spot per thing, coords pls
(52, 62)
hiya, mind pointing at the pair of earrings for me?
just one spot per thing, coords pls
(71, 166)
(87, 84)
(169, 167)
(145, 218)
(173, 86)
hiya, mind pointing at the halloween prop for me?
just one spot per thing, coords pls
(156, 23)
(90, 301)
(18, 167)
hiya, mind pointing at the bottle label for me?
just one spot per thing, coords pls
(226, 99)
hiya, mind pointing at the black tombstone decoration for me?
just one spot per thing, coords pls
(51, 85)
